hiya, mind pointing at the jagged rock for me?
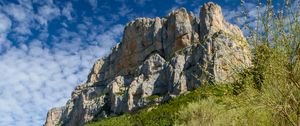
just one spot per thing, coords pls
(212, 21)
(180, 30)
(53, 116)
(161, 57)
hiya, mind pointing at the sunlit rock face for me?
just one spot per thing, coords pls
(164, 57)
(54, 116)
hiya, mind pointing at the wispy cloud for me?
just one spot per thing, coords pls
(180, 1)
(5, 25)
(93, 3)
(124, 10)
(141, 2)
(67, 11)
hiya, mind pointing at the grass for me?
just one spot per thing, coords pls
(266, 94)
(153, 97)
(165, 114)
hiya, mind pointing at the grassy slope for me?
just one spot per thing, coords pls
(167, 113)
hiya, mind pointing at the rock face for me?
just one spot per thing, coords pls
(54, 116)
(162, 57)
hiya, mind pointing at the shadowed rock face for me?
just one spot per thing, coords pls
(164, 57)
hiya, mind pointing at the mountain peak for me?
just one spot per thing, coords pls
(162, 57)
(212, 20)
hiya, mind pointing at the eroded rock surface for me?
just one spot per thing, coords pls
(161, 57)
(53, 116)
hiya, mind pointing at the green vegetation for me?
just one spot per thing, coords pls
(119, 93)
(266, 94)
(122, 91)
(153, 97)
(165, 114)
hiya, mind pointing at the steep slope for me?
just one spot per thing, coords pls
(157, 57)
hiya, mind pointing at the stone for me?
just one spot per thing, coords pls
(53, 116)
(180, 30)
(212, 21)
(157, 59)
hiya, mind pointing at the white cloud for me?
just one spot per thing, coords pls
(93, 3)
(22, 29)
(22, 15)
(141, 2)
(67, 11)
(180, 1)
(124, 10)
(17, 12)
(47, 13)
(107, 39)
(236, 16)
(5, 23)
(36, 78)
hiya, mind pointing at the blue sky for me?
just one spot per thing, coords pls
(47, 47)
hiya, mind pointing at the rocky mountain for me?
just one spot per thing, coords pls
(161, 58)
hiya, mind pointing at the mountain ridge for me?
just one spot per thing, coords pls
(160, 56)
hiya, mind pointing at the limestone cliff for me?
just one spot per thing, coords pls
(164, 57)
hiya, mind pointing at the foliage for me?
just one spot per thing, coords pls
(153, 97)
(269, 92)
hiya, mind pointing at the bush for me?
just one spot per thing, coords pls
(269, 92)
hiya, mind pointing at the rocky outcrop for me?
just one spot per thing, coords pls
(53, 116)
(161, 58)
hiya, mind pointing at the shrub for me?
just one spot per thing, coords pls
(269, 92)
